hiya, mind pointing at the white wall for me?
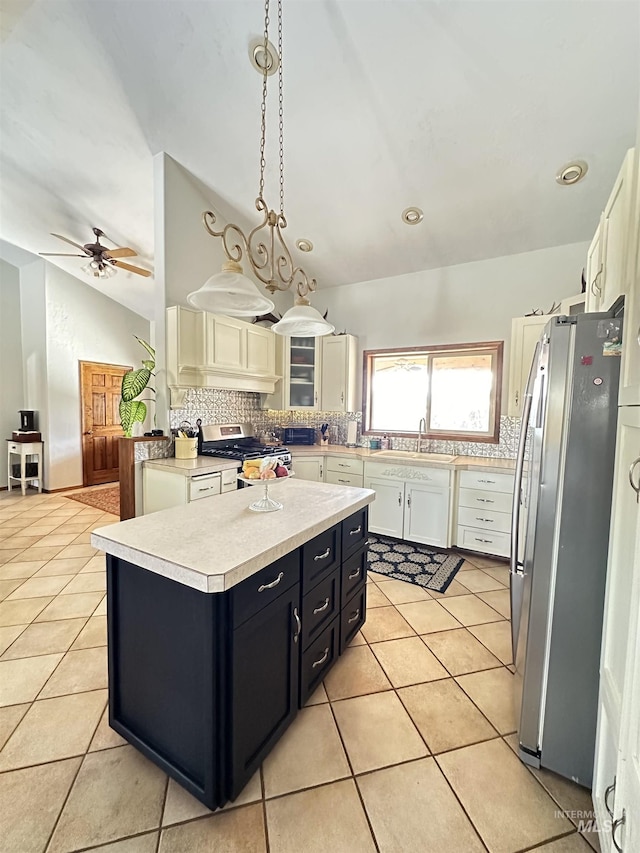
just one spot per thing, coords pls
(81, 325)
(464, 303)
(11, 373)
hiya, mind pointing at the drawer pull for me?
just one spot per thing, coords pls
(343, 481)
(205, 488)
(614, 828)
(355, 615)
(354, 574)
(607, 794)
(322, 606)
(323, 556)
(493, 482)
(479, 518)
(355, 530)
(488, 541)
(271, 585)
(342, 465)
(321, 660)
(298, 625)
(485, 500)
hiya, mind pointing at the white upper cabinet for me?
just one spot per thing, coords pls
(212, 351)
(616, 260)
(338, 373)
(593, 274)
(525, 332)
(630, 367)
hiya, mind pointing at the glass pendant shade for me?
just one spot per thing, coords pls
(99, 270)
(231, 293)
(303, 321)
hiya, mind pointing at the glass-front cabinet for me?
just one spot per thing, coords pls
(302, 373)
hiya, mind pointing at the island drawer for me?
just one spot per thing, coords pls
(475, 498)
(353, 617)
(487, 519)
(354, 532)
(319, 607)
(318, 659)
(320, 556)
(487, 482)
(345, 466)
(250, 596)
(354, 572)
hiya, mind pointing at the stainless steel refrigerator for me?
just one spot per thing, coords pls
(560, 534)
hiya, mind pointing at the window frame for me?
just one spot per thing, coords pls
(495, 348)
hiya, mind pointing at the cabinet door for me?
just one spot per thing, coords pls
(386, 513)
(310, 468)
(302, 373)
(426, 517)
(264, 681)
(225, 342)
(185, 346)
(261, 350)
(594, 269)
(525, 332)
(618, 615)
(616, 236)
(337, 387)
(630, 367)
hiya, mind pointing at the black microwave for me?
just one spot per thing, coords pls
(299, 435)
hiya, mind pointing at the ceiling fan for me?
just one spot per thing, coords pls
(102, 260)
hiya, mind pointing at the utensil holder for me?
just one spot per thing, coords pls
(186, 448)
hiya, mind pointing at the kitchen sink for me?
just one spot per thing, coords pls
(410, 454)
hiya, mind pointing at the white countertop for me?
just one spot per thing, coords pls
(189, 467)
(458, 463)
(214, 543)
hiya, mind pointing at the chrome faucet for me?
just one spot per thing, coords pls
(422, 427)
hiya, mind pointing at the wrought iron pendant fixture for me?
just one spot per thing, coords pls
(230, 291)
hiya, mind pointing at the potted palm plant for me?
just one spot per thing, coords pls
(134, 383)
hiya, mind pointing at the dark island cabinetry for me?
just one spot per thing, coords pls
(204, 684)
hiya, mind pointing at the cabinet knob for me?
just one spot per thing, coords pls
(517, 398)
(88, 432)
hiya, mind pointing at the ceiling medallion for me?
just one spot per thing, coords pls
(412, 215)
(230, 291)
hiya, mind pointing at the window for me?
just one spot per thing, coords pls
(455, 388)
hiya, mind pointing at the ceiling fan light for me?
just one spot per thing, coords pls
(231, 293)
(303, 321)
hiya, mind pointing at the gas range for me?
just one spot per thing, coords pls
(237, 441)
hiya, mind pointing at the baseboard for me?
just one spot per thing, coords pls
(63, 489)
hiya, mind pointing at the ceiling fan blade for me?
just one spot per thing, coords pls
(137, 270)
(59, 255)
(67, 240)
(121, 253)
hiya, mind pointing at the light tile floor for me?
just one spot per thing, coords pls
(408, 745)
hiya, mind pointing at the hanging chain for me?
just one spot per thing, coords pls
(280, 111)
(263, 107)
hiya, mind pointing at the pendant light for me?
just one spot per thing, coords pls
(232, 293)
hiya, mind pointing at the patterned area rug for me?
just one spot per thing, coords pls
(408, 561)
(108, 500)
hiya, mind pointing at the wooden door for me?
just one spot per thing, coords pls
(100, 399)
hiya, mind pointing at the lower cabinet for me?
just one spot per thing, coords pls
(205, 684)
(309, 468)
(411, 503)
(484, 503)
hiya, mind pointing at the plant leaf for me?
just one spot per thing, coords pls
(134, 382)
(150, 365)
(147, 346)
(130, 412)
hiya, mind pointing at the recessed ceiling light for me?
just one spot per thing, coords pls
(572, 173)
(304, 245)
(257, 56)
(412, 215)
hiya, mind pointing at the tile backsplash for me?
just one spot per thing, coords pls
(217, 406)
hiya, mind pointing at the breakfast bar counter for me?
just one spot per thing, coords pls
(223, 621)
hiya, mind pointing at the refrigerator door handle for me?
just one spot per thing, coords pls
(517, 488)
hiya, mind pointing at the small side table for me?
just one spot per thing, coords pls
(30, 453)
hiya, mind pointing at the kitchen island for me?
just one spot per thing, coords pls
(223, 621)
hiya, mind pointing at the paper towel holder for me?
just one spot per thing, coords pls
(352, 434)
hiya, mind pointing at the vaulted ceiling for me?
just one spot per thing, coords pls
(465, 109)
